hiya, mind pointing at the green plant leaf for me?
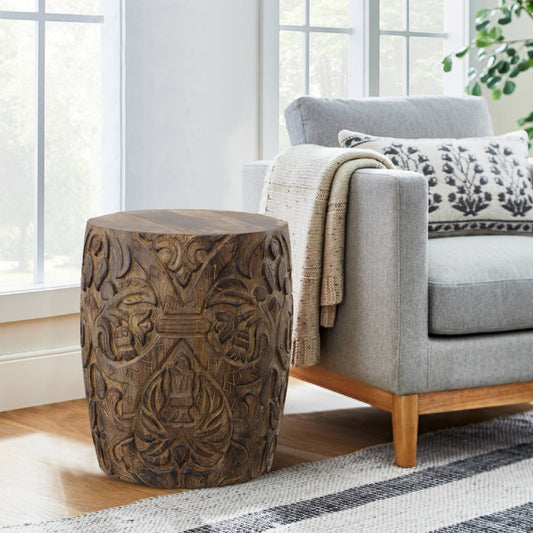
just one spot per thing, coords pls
(493, 81)
(482, 25)
(496, 94)
(511, 51)
(476, 89)
(523, 120)
(462, 52)
(501, 49)
(472, 73)
(509, 87)
(530, 54)
(495, 33)
(514, 72)
(523, 65)
(483, 40)
(503, 66)
(517, 8)
(506, 18)
(483, 13)
(529, 132)
(447, 64)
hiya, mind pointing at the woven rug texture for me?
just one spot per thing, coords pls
(472, 478)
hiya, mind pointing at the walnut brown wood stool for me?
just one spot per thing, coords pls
(185, 331)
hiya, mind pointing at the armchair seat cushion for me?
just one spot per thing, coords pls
(480, 284)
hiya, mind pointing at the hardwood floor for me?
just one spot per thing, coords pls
(48, 467)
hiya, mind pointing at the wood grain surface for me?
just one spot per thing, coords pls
(185, 332)
(196, 222)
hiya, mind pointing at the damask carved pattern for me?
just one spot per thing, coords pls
(185, 332)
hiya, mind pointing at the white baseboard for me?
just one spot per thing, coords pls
(40, 377)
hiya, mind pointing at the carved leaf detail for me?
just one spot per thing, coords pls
(120, 258)
(184, 419)
(124, 321)
(98, 383)
(230, 291)
(270, 277)
(87, 272)
(100, 272)
(134, 292)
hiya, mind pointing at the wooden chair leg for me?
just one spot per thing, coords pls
(405, 429)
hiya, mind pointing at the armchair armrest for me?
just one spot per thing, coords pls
(381, 336)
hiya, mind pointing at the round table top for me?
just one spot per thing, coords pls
(187, 222)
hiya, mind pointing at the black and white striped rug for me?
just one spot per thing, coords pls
(473, 478)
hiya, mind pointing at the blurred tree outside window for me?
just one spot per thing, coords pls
(50, 149)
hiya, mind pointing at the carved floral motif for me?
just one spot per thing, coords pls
(185, 343)
(184, 418)
(249, 308)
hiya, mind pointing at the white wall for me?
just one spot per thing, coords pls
(191, 101)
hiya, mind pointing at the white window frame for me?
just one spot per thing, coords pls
(363, 50)
(42, 300)
(454, 38)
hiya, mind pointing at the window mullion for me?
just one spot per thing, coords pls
(358, 49)
(373, 48)
(38, 251)
(456, 17)
(407, 60)
(306, 45)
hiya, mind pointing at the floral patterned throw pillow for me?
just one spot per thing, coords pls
(477, 185)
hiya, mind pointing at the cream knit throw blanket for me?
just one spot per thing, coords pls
(307, 186)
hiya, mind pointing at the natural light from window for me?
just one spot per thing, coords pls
(50, 138)
(404, 43)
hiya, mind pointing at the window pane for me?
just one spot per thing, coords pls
(329, 14)
(18, 5)
(426, 15)
(291, 76)
(291, 12)
(17, 151)
(328, 65)
(392, 15)
(425, 73)
(73, 164)
(87, 7)
(391, 65)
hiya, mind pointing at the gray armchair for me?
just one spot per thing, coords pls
(426, 325)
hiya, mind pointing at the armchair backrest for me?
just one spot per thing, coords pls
(319, 120)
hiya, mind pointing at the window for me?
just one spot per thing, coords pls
(55, 147)
(355, 48)
(413, 37)
(314, 38)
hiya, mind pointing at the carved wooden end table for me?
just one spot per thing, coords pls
(185, 332)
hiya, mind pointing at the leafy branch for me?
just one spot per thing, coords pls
(501, 60)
